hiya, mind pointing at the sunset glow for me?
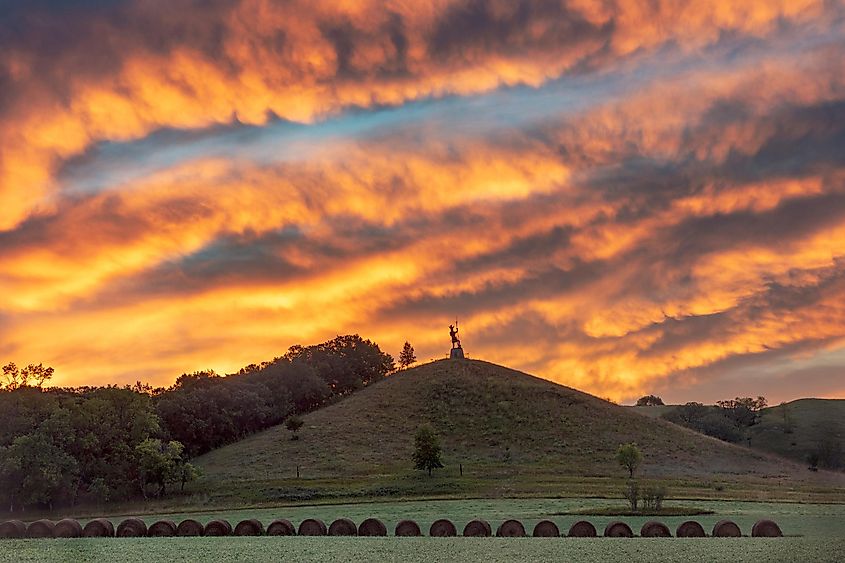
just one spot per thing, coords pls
(624, 197)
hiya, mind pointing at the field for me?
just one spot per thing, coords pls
(814, 533)
(492, 550)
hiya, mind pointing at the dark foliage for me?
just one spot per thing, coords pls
(649, 401)
(65, 446)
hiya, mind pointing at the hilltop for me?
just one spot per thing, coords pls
(495, 422)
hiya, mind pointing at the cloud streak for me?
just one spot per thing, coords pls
(617, 198)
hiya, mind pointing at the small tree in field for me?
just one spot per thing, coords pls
(427, 449)
(407, 357)
(294, 423)
(629, 457)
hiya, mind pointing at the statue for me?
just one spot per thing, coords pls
(457, 351)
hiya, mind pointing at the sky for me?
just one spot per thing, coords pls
(623, 197)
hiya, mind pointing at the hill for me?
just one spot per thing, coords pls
(799, 428)
(793, 430)
(495, 422)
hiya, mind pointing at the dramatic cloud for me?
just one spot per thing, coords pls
(622, 197)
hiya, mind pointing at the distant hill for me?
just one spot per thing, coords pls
(793, 430)
(487, 416)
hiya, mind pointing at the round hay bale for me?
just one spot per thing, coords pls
(12, 529)
(281, 527)
(442, 528)
(98, 528)
(726, 529)
(372, 527)
(618, 529)
(189, 527)
(343, 527)
(654, 529)
(407, 528)
(312, 527)
(41, 529)
(511, 529)
(250, 527)
(582, 529)
(162, 529)
(132, 528)
(68, 528)
(690, 529)
(217, 528)
(546, 529)
(766, 529)
(478, 529)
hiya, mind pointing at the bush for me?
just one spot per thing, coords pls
(653, 496)
(632, 494)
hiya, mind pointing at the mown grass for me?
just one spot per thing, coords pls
(493, 550)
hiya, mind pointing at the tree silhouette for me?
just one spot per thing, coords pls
(407, 357)
(650, 401)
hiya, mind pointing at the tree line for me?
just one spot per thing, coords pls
(64, 446)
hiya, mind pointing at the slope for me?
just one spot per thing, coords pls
(493, 421)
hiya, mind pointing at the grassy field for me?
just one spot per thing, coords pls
(814, 533)
(513, 434)
(492, 550)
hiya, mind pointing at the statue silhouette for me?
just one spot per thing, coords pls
(453, 332)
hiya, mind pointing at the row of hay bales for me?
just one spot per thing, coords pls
(135, 527)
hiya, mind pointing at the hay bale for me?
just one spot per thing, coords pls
(618, 529)
(217, 528)
(189, 527)
(312, 527)
(654, 529)
(726, 529)
(372, 527)
(281, 527)
(67, 528)
(582, 529)
(442, 528)
(511, 529)
(162, 529)
(766, 529)
(343, 527)
(478, 529)
(98, 528)
(249, 527)
(41, 529)
(690, 529)
(407, 528)
(12, 529)
(132, 528)
(546, 529)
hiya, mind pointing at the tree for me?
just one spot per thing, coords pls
(650, 401)
(744, 411)
(30, 376)
(407, 357)
(426, 449)
(629, 457)
(160, 463)
(294, 423)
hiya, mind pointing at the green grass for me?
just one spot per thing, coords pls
(625, 511)
(740, 550)
(514, 435)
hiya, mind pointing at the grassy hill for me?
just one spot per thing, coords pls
(792, 430)
(512, 433)
(800, 427)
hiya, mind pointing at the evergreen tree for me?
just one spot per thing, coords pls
(407, 357)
